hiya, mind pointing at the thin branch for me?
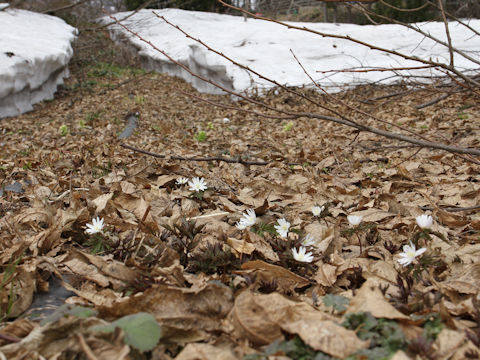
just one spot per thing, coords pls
(230, 161)
(388, 96)
(452, 209)
(307, 114)
(432, 102)
(449, 39)
(296, 93)
(433, 145)
(404, 10)
(363, 43)
(236, 108)
(355, 108)
(366, 69)
(456, 19)
(10, 338)
(210, 158)
(247, 68)
(431, 37)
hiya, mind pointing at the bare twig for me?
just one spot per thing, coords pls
(428, 35)
(452, 209)
(404, 10)
(341, 120)
(227, 160)
(406, 159)
(388, 96)
(434, 101)
(370, 46)
(236, 108)
(288, 89)
(366, 69)
(210, 158)
(247, 68)
(449, 39)
(355, 108)
(455, 18)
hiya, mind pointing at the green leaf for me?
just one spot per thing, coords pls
(141, 330)
(201, 136)
(339, 303)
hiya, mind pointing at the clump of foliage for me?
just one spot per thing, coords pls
(9, 277)
(337, 302)
(283, 248)
(384, 335)
(213, 258)
(201, 136)
(183, 237)
(262, 228)
(268, 287)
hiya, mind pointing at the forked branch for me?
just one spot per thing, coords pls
(340, 119)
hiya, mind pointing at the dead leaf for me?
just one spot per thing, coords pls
(369, 298)
(185, 314)
(261, 245)
(324, 237)
(101, 202)
(326, 274)
(326, 336)
(205, 352)
(285, 279)
(240, 246)
(451, 219)
(260, 318)
(447, 343)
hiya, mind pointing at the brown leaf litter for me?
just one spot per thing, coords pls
(216, 291)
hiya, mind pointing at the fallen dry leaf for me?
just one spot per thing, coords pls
(369, 298)
(326, 336)
(285, 279)
(204, 352)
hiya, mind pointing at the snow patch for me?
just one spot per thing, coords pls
(34, 55)
(265, 47)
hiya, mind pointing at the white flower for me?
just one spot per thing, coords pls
(282, 227)
(181, 181)
(302, 255)
(309, 240)
(226, 120)
(95, 227)
(424, 221)
(354, 220)
(241, 225)
(197, 184)
(317, 210)
(249, 219)
(409, 254)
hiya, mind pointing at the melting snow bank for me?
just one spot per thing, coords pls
(34, 53)
(265, 47)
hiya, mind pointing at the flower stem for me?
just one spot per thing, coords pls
(359, 243)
